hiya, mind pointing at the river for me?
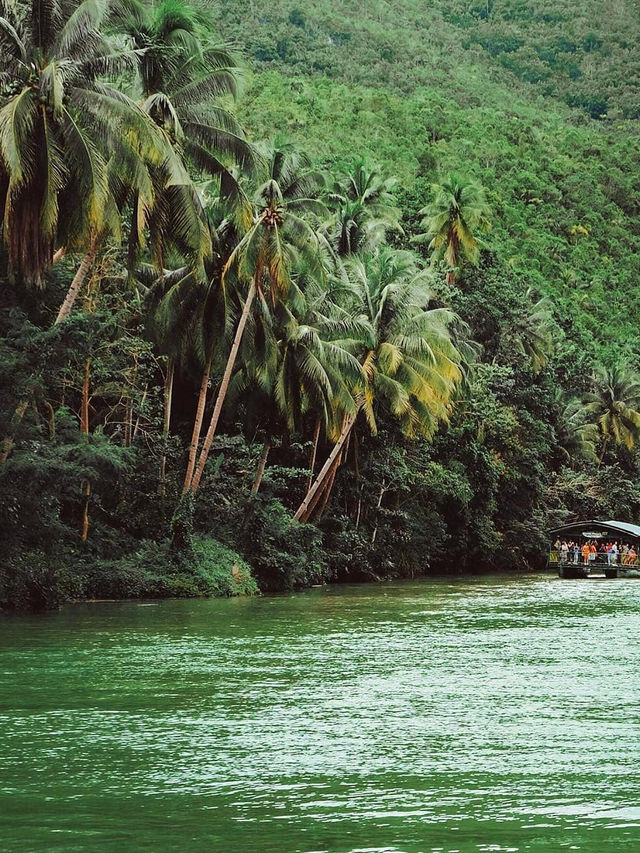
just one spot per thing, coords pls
(490, 714)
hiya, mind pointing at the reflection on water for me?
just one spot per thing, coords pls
(470, 715)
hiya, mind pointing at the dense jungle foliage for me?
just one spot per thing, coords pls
(293, 294)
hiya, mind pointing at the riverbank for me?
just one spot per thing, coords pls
(209, 570)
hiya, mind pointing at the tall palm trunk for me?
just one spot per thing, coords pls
(76, 284)
(136, 428)
(84, 428)
(224, 385)
(326, 469)
(383, 489)
(266, 447)
(168, 396)
(197, 425)
(604, 449)
(314, 452)
(328, 488)
(452, 256)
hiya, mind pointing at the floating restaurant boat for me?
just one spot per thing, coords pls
(572, 563)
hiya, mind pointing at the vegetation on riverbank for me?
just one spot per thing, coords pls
(376, 318)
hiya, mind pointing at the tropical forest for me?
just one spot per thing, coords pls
(304, 293)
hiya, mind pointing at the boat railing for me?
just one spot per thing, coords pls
(564, 558)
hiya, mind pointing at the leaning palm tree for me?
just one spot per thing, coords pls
(410, 365)
(454, 220)
(278, 240)
(66, 136)
(615, 404)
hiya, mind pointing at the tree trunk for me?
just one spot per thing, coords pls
(224, 385)
(326, 469)
(375, 529)
(84, 410)
(266, 447)
(328, 489)
(136, 428)
(603, 451)
(84, 427)
(52, 420)
(63, 313)
(452, 256)
(168, 395)
(128, 419)
(76, 284)
(314, 452)
(58, 254)
(197, 425)
(7, 442)
(134, 237)
(85, 514)
(359, 510)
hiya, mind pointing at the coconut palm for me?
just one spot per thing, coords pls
(532, 332)
(454, 220)
(190, 316)
(296, 363)
(410, 364)
(615, 404)
(577, 436)
(278, 241)
(184, 75)
(66, 136)
(364, 211)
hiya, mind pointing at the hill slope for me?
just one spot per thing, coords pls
(486, 89)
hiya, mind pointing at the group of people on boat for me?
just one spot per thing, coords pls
(592, 551)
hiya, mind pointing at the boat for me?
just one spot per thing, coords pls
(616, 565)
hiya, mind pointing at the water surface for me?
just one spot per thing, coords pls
(470, 715)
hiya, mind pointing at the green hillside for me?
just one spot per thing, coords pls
(423, 88)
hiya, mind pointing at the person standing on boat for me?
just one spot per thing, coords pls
(593, 551)
(585, 552)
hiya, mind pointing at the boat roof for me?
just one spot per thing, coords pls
(619, 527)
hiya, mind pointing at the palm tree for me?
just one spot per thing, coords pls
(66, 136)
(454, 219)
(190, 317)
(278, 240)
(532, 332)
(615, 403)
(410, 364)
(184, 76)
(577, 437)
(364, 210)
(296, 361)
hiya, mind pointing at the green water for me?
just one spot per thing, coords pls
(471, 715)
